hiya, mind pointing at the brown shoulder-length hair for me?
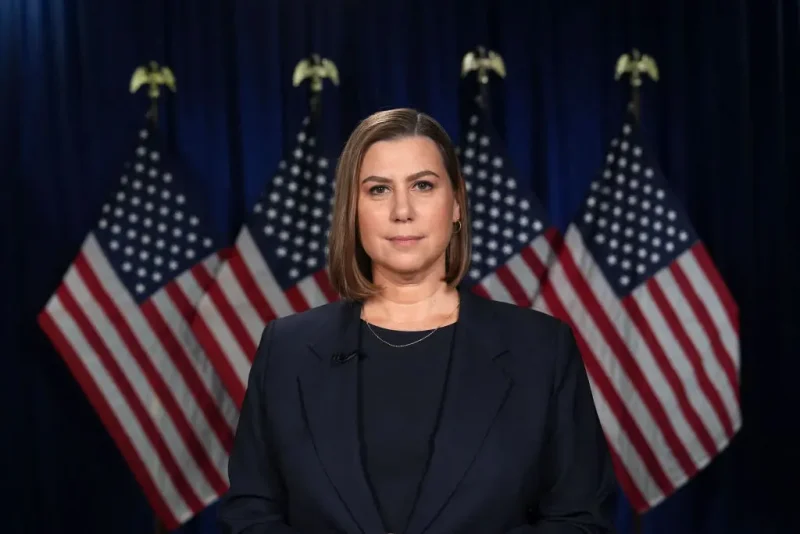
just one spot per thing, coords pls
(350, 268)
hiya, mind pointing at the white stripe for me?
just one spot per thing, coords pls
(713, 304)
(231, 349)
(155, 470)
(204, 370)
(541, 305)
(625, 450)
(496, 290)
(188, 283)
(311, 291)
(522, 273)
(525, 276)
(620, 382)
(233, 293)
(263, 275)
(629, 333)
(211, 264)
(679, 361)
(544, 251)
(699, 338)
(153, 350)
(191, 286)
(546, 255)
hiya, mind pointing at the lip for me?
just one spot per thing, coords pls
(405, 238)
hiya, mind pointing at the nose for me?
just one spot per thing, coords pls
(402, 207)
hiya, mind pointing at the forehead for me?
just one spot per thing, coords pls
(401, 156)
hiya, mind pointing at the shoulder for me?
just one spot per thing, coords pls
(302, 327)
(292, 335)
(518, 322)
(537, 343)
(309, 321)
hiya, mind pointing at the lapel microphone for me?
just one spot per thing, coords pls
(341, 357)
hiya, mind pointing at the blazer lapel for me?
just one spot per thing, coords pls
(329, 391)
(476, 390)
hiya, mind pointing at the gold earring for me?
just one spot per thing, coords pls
(458, 226)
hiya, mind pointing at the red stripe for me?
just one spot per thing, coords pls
(513, 286)
(229, 313)
(532, 260)
(710, 327)
(711, 332)
(556, 240)
(252, 291)
(202, 399)
(205, 399)
(635, 496)
(707, 266)
(479, 290)
(620, 410)
(117, 375)
(102, 407)
(200, 272)
(694, 358)
(324, 282)
(217, 357)
(668, 370)
(550, 296)
(627, 361)
(296, 299)
(156, 381)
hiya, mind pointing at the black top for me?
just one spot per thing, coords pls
(400, 395)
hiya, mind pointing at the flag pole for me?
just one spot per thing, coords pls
(482, 61)
(634, 65)
(315, 69)
(153, 76)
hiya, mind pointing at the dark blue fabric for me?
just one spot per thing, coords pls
(517, 447)
(725, 120)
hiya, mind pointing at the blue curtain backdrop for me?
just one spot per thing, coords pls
(724, 119)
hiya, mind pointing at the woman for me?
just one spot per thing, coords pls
(410, 405)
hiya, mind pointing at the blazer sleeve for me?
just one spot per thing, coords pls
(256, 499)
(579, 481)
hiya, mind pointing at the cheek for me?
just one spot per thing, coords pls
(440, 218)
(368, 222)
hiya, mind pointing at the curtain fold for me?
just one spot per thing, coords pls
(724, 119)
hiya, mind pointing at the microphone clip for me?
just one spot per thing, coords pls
(341, 357)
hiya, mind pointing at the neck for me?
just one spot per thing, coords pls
(415, 302)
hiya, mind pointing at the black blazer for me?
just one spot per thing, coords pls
(519, 447)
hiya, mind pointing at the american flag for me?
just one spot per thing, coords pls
(657, 327)
(120, 319)
(278, 265)
(512, 240)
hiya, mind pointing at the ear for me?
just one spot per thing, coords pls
(456, 211)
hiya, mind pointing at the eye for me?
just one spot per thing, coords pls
(377, 189)
(424, 185)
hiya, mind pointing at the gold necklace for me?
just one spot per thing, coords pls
(423, 338)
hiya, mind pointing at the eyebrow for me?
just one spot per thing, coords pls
(410, 177)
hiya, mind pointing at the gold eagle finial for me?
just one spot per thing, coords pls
(483, 61)
(317, 69)
(154, 76)
(635, 65)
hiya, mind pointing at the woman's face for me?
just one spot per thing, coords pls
(406, 207)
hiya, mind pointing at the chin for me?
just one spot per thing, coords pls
(408, 266)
